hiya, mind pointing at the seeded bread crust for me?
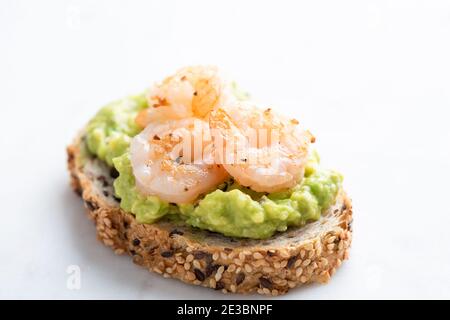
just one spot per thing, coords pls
(270, 267)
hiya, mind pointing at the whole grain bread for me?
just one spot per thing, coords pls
(271, 267)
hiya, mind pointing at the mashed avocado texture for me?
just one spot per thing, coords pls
(109, 133)
(232, 210)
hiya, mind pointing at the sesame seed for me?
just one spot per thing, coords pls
(258, 255)
(283, 282)
(291, 261)
(107, 222)
(268, 270)
(298, 272)
(231, 255)
(180, 259)
(259, 263)
(167, 254)
(306, 262)
(265, 282)
(200, 255)
(218, 275)
(196, 264)
(190, 276)
(189, 258)
(199, 274)
(302, 253)
(240, 278)
(248, 268)
(319, 251)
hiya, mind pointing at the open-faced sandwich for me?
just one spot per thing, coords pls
(197, 182)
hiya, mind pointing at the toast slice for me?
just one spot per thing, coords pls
(271, 267)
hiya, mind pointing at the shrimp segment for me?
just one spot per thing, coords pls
(166, 165)
(260, 149)
(190, 92)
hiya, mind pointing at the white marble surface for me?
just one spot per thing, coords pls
(371, 79)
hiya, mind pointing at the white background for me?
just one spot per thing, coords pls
(371, 79)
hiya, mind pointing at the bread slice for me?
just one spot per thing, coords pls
(272, 267)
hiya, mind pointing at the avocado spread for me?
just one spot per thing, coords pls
(232, 210)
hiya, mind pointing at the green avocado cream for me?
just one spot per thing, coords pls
(109, 133)
(231, 210)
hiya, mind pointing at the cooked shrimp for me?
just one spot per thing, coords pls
(191, 92)
(167, 164)
(258, 148)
